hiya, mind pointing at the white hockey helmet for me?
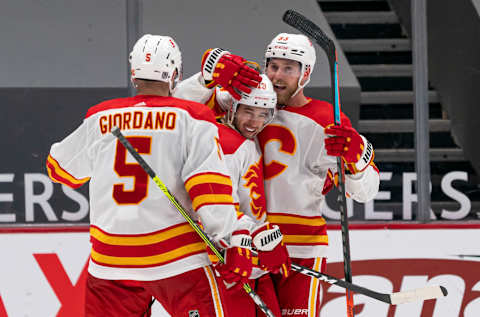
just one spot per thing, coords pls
(296, 47)
(263, 96)
(156, 57)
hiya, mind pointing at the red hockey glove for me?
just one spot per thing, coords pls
(219, 67)
(355, 150)
(238, 259)
(272, 252)
(330, 181)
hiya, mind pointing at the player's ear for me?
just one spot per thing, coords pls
(306, 75)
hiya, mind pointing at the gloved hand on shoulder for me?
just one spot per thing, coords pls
(220, 67)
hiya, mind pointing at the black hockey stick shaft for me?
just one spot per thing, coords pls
(123, 140)
(341, 198)
(344, 284)
(310, 29)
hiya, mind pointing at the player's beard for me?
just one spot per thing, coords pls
(284, 95)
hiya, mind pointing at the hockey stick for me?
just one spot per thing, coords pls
(311, 30)
(419, 294)
(394, 299)
(118, 134)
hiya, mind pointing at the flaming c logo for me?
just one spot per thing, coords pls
(254, 181)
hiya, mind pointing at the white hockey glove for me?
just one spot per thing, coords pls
(272, 252)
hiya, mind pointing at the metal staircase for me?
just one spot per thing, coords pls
(379, 53)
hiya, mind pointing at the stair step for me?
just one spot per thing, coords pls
(393, 97)
(368, 31)
(353, 5)
(406, 140)
(367, 17)
(382, 70)
(405, 155)
(322, 1)
(386, 84)
(400, 126)
(376, 58)
(397, 112)
(375, 45)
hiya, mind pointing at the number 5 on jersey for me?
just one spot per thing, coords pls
(143, 145)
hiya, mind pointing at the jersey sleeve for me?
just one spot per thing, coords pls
(361, 187)
(247, 185)
(207, 181)
(220, 102)
(233, 162)
(217, 99)
(192, 89)
(68, 162)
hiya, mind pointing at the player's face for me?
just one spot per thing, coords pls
(250, 120)
(284, 74)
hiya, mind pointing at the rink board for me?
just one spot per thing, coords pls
(43, 270)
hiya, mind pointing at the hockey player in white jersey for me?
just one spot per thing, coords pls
(300, 149)
(141, 245)
(242, 120)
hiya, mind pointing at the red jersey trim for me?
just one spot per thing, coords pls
(139, 262)
(319, 111)
(195, 109)
(300, 230)
(207, 177)
(213, 104)
(144, 250)
(60, 175)
(209, 189)
(230, 139)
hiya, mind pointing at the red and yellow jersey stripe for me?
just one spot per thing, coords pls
(300, 230)
(144, 250)
(374, 167)
(213, 104)
(209, 189)
(59, 175)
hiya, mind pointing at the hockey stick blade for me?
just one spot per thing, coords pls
(426, 293)
(419, 294)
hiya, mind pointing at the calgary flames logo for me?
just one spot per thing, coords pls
(254, 181)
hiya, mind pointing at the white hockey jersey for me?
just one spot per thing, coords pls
(243, 156)
(245, 165)
(296, 165)
(217, 99)
(136, 233)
